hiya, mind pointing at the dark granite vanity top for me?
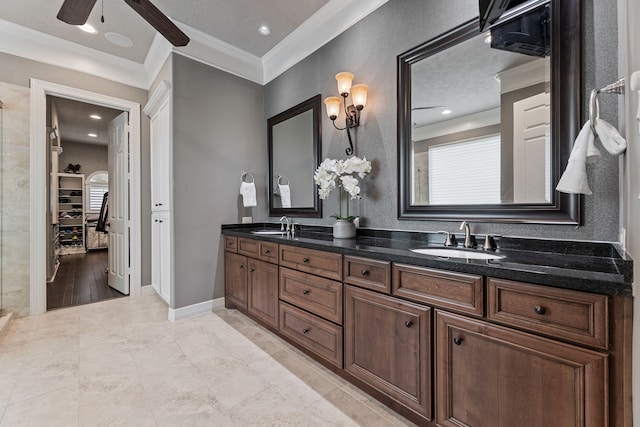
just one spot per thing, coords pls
(585, 266)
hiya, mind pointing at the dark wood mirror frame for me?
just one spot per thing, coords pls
(315, 105)
(565, 113)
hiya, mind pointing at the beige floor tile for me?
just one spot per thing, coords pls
(120, 363)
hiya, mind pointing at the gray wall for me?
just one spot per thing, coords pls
(218, 131)
(369, 50)
(91, 157)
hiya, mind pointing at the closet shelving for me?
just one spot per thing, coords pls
(71, 213)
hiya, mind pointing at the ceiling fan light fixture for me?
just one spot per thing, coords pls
(88, 28)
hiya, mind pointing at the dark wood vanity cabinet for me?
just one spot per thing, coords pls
(262, 291)
(251, 284)
(493, 376)
(441, 347)
(388, 346)
(235, 280)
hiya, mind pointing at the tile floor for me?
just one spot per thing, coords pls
(121, 363)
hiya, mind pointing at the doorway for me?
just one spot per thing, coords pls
(78, 253)
(39, 147)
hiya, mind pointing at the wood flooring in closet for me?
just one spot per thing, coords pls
(81, 279)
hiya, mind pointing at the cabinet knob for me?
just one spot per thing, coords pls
(241, 266)
(364, 272)
(156, 220)
(159, 204)
(408, 323)
(267, 252)
(305, 331)
(159, 220)
(457, 341)
(252, 270)
(305, 259)
(539, 309)
(305, 292)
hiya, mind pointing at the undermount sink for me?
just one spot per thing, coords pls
(456, 253)
(268, 232)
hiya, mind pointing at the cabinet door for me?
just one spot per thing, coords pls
(496, 377)
(235, 280)
(387, 345)
(160, 147)
(161, 255)
(263, 291)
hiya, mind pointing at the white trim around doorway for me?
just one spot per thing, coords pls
(38, 186)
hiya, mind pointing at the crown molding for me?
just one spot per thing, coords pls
(219, 54)
(37, 46)
(327, 23)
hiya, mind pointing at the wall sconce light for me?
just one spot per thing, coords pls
(352, 112)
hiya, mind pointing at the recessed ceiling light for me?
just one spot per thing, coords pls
(92, 135)
(446, 111)
(118, 39)
(88, 28)
(95, 117)
(264, 30)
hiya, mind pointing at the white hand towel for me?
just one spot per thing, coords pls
(285, 195)
(610, 138)
(574, 178)
(248, 192)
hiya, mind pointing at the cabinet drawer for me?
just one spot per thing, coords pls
(231, 244)
(460, 292)
(321, 263)
(268, 252)
(315, 294)
(313, 333)
(368, 273)
(248, 247)
(559, 313)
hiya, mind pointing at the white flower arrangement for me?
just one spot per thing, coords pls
(341, 174)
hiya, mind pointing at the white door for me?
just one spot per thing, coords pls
(532, 150)
(118, 212)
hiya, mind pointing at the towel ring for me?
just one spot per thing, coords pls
(281, 178)
(245, 174)
(594, 111)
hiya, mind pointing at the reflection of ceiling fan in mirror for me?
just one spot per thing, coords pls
(76, 12)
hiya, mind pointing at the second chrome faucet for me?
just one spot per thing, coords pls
(468, 239)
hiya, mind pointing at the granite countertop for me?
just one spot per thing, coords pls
(584, 266)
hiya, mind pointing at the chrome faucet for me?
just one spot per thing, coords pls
(468, 240)
(286, 229)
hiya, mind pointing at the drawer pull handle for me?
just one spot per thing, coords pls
(305, 292)
(539, 310)
(229, 243)
(305, 331)
(267, 252)
(408, 323)
(252, 270)
(241, 266)
(365, 272)
(305, 259)
(457, 341)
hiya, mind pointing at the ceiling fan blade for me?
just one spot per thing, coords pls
(76, 12)
(159, 21)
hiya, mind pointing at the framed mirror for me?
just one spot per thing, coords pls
(294, 150)
(486, 121)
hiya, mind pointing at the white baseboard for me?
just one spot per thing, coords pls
(195, 309)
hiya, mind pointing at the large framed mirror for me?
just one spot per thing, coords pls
(486, 121)
(294, 150)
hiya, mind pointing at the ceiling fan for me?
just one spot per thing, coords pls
(76, 12)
